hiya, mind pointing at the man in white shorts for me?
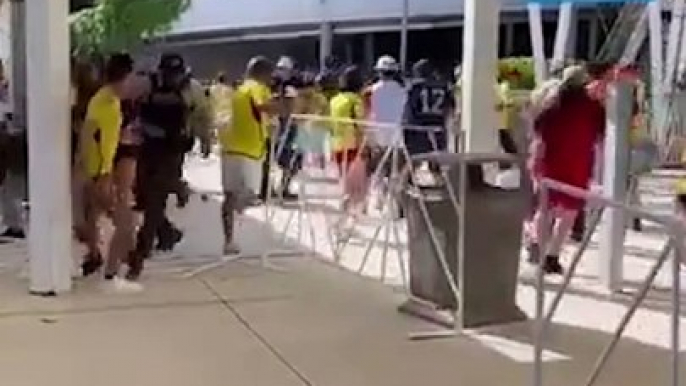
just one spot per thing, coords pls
(242, 143)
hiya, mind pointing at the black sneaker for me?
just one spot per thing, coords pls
(91, 264)
(14, 233)
(135, 262)
(577, 237)
(169, 241)
(552, 265)
(288, 196)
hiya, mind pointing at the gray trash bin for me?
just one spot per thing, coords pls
(487, 241)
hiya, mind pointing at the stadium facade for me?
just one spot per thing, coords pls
(219, 35)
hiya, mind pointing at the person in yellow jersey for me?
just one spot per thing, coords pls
(311, 134)
(98, 142)
(346, 136)
(242, 144)
(506, 109)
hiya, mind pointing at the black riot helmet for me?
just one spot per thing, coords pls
(172, 70)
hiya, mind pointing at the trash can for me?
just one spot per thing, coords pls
(484, 236)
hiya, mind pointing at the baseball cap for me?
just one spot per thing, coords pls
(286, 63)
(386, 63)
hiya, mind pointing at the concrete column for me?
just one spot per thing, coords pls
(369, 54)
(615, 172)
(50, 223)
(563, 35)
(325, 42)
(479, 69)
(537, 42)
(18, 65)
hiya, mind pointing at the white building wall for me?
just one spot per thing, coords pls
(213, 15)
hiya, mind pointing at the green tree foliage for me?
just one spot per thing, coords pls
(115, 25)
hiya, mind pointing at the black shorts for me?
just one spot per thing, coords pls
(419, 142)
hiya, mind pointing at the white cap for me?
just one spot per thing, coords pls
(386, 63)
(285, 63)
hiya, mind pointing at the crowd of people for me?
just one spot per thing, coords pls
(132, 131)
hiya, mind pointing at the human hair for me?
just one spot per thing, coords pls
(259, 67)
(351, 80)
(118, 67)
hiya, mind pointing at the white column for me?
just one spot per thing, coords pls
(636, 40)
(50, 223)
(615, 172)
(479, 68)
(537, 42)
(325, 43)
(656, 39)
(676, 29)
(563, 35)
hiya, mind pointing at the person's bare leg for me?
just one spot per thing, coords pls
(561, 230)
(228, 212)
(93, 261)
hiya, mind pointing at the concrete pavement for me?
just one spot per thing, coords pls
(311, 323)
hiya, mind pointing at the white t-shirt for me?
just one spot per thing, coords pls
(387, 106)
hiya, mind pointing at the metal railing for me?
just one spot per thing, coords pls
(674, 247)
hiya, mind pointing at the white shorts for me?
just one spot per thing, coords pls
(241, 175)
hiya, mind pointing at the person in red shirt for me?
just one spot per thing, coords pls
(565, 136)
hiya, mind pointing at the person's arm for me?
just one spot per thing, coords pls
(358, 114)
(265, 103)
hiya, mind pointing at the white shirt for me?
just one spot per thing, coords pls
(387, 107)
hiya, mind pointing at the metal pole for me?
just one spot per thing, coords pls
(543, 236)
(638, 299)
(677, 259)
(325, 36)
(404, 31)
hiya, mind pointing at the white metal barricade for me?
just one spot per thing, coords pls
(674, 247)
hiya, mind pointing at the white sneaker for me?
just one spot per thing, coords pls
(123, 286)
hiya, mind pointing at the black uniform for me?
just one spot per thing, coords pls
(429, 104)
(164, 115)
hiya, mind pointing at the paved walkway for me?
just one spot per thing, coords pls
(315, 322)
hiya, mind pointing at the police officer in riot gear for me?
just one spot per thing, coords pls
(164, 114)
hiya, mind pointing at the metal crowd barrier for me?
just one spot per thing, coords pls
(390, 165)
(674, 247)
